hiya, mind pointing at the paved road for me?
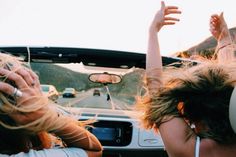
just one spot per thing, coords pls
(87, 100)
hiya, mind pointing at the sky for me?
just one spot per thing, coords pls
(106, 24)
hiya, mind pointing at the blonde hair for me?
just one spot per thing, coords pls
(51, 119)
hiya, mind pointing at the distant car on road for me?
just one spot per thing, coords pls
(96, 92)
(69, 92)
(50, 91)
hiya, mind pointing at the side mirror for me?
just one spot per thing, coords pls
(105, 78)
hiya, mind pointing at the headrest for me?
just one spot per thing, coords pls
(232, 110)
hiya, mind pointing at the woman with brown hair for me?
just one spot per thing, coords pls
(190, 106)
(26, 117)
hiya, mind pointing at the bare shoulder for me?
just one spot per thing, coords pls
(209, 148)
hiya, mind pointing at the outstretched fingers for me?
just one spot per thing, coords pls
(168, 10)
(164, 17)
(170, 20)
(214, 21)
(218, 26)
(172, 10)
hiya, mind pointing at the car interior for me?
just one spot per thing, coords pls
(116, 120)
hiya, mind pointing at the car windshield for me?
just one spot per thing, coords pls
(72, 24)
(118, 96)
(69, 89)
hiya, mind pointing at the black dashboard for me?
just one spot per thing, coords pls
(112, 133)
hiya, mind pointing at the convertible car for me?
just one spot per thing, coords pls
(117, 125)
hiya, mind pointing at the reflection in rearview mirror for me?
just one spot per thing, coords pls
(105, 78)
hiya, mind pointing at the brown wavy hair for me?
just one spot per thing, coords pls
(197, 94)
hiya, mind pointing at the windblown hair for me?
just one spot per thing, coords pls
(15, 137)
(197, 94)
(8, 103)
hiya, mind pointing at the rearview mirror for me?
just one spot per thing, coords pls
(105, 78)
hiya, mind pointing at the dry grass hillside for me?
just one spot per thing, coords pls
(206, 48)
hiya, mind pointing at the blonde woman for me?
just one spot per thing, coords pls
(26, 116)
(190, 106)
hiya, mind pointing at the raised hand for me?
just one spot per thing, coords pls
(225, 49)
(162, 19)
(218, 27)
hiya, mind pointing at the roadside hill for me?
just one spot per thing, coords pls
(205, 48)
(57, 76)
(62, 77)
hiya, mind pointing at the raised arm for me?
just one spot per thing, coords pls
(153, 59)
(225, 47)
(174, 131)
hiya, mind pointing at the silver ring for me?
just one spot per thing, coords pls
(17, 93)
